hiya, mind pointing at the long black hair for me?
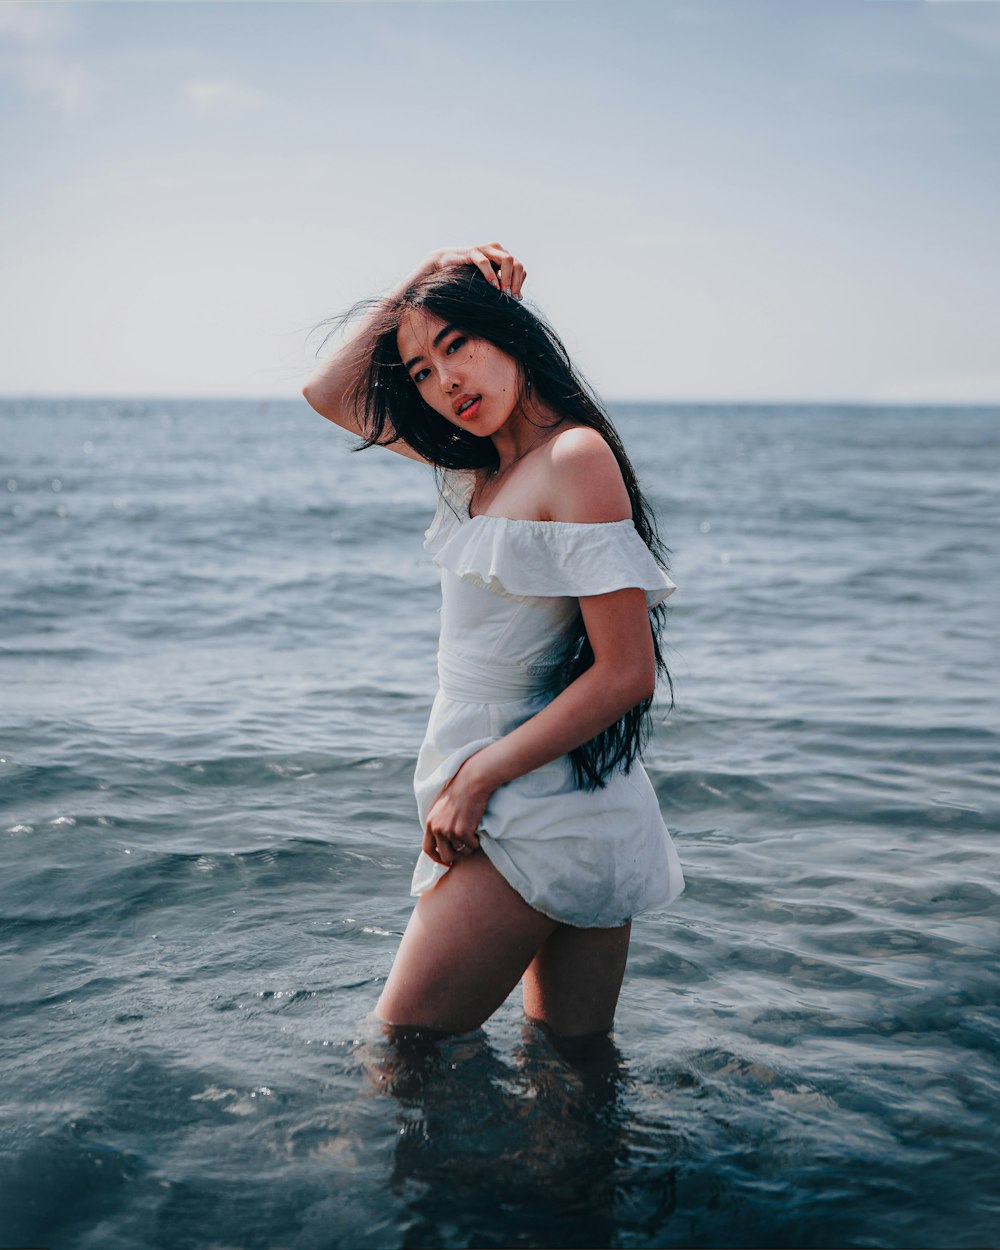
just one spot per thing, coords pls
(388, 407)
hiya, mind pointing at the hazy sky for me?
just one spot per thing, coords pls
(715, 199)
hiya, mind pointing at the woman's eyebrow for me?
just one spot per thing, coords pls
(437, 339)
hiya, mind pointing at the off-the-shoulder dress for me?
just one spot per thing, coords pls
(509, 591)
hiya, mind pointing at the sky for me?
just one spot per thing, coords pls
(736, 200)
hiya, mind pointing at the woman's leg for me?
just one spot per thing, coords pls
(465, 948)
(573, 982)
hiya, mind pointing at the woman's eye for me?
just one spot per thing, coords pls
(420, 375)
(455, 344)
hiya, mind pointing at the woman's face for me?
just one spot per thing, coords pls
(471, 383)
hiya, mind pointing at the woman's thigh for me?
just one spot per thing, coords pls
(465, 948)
(572, 984)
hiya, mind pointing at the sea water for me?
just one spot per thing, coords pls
(217, 638)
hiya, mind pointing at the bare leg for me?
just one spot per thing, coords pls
(573, 982)
(466, 946)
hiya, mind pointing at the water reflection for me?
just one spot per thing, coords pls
(497, 1151)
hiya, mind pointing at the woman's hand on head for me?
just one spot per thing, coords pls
(493, 261)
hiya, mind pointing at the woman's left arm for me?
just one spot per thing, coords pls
(588, 488)
(622, 675)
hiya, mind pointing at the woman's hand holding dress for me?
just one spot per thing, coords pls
(454, 819)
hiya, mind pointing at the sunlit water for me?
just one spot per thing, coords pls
(217, 657)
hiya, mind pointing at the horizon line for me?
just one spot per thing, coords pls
(674, 402)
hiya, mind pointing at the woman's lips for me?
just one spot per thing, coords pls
(471, 411)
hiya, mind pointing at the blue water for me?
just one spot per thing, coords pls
(217, 640)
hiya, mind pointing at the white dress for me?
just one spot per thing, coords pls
(509, 591)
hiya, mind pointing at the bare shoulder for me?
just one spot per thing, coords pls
(585, 481)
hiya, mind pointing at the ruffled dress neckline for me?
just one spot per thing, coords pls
(521, 558)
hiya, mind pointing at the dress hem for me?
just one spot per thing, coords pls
(541, 910)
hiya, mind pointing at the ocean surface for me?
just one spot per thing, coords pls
(217, 638)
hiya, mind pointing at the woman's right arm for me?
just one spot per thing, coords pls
(327, 389)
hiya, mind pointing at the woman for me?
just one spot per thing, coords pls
(542, 833)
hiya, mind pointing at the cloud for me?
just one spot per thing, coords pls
(25, 57)
(31, 23)
(67, 85)
(977, 27)
(219, 97)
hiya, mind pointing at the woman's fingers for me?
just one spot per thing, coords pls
(430, 847)
(485, 265)
(439, 847)
(512, 276)
(452, 825)
(445, 848)
(511, 272)
(463, 845)
(506, 272)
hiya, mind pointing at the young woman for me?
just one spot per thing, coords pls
(542, 835)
